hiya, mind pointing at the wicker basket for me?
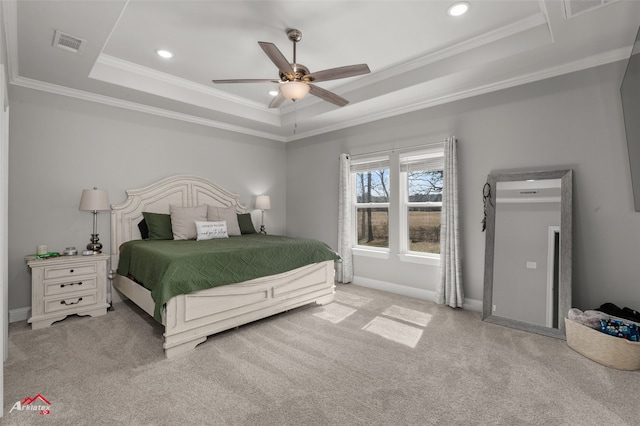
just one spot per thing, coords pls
(611, 351)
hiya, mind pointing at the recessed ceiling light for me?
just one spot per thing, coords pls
(273, 92)
(458, 9)
(164, 53)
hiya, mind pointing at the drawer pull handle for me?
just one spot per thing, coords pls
(64, 302)
(63, 285)
(71, 271)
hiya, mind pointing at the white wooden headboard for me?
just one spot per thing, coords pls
(182, 190)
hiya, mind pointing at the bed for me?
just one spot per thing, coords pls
(189, 318)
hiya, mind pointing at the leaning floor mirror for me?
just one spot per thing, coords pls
(527, 270)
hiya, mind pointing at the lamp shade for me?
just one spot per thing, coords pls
(294, 90)
(263, 202)
(94, 199)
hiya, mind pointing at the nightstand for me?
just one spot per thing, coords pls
(67, 285)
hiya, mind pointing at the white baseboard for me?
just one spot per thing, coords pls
(418, 293)
(474, 305)
(20, 314)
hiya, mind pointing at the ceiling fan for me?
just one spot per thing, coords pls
(296, 79)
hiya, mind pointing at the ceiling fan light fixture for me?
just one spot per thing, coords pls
(294, 90)
(295, 79)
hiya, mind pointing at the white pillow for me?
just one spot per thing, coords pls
(225, 213)
(183, 220)
(211, 230)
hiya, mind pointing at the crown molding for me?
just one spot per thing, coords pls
(507, 31)
(126, 74)
(593, 61)
(579, 65)
(421, 98)
(133, 106)
(130, 67)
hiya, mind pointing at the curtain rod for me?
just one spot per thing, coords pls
(392, 150)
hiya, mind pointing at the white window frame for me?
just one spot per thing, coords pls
(397, 207)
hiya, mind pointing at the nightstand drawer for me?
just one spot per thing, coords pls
(74, 302)
(70, 286)
(51, 272)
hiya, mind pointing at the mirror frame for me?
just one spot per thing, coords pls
(564, 291)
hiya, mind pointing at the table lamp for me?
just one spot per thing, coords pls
(263, 202)
(94, 200)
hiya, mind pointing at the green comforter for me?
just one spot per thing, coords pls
(169, 268)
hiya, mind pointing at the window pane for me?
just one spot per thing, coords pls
(424, 229)
(424, 185)
(373, 186)
(373, 227)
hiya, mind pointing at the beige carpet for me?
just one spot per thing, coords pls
(370, 358)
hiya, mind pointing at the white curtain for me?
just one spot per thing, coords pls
(449, 290)
(344, 269)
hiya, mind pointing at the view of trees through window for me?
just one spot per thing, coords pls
(423, 206)
(372, 190)
(424, 203)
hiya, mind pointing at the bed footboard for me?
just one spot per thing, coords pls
(190, 318)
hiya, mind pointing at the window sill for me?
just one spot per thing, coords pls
(378, 254)
(422, 260)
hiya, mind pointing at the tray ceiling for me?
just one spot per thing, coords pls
(418, 55)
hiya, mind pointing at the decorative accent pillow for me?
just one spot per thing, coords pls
(245, 223)
(183, 221)
(144, 229)
(224, 213)
(159, 226)
(211, 230)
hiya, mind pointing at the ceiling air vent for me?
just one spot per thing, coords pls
(68, 42)
(576, 7)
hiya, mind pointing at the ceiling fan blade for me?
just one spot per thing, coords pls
(276, 57)
(277, 101)
(327, 95)
(246, 80)
(340, 72)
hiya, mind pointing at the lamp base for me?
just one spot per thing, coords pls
(262, 230)
(95, 246)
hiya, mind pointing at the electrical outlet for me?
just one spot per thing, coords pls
(532, 265)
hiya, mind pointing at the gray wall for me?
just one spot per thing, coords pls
(572, 121)
(59, 146)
